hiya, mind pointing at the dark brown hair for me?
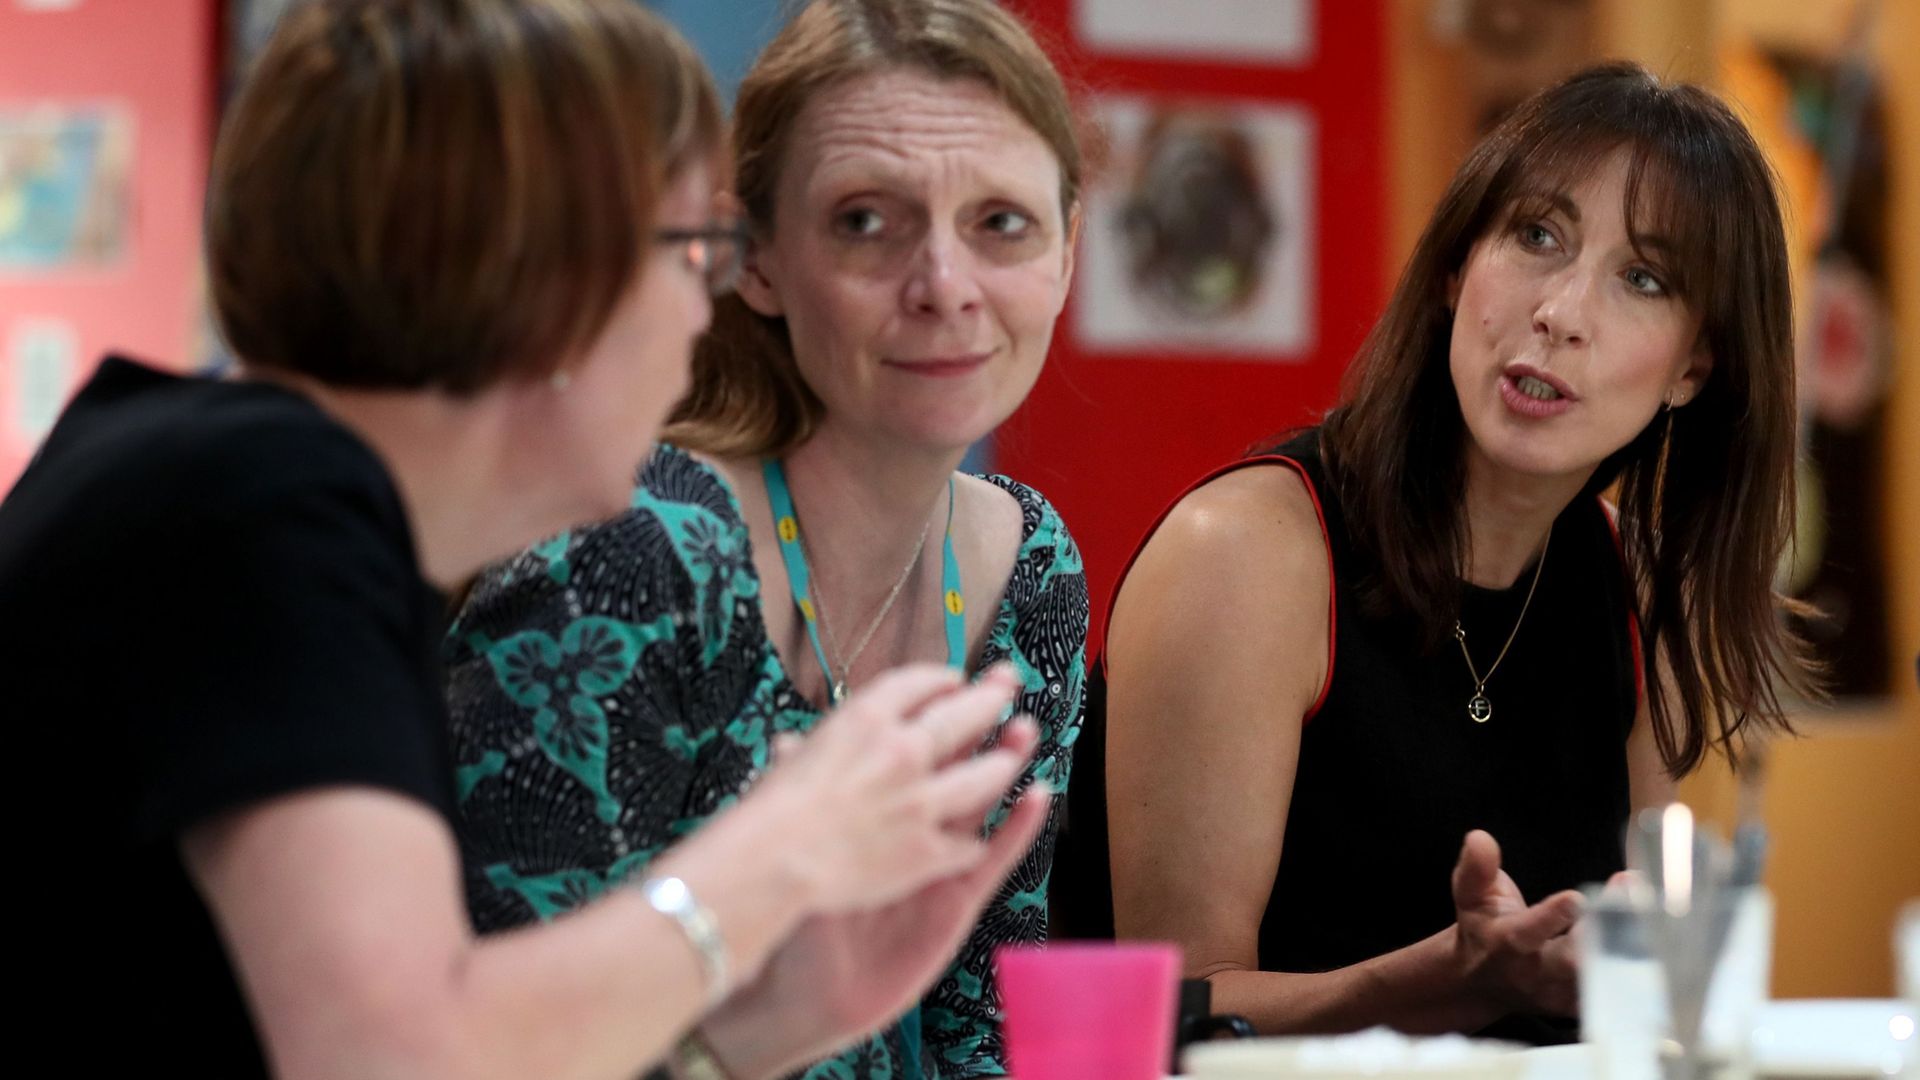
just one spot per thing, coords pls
(415, 194)
(1706, 492)
(747, 397)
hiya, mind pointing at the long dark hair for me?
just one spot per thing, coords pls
(1706, 492)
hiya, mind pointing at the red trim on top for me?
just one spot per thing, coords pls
(1633, 617)
(1312, 493)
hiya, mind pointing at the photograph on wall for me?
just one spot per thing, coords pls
(64, 187)
(1250, 31)
(1198, 232)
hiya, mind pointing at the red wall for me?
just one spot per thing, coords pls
(1111, 439)
(155, 58)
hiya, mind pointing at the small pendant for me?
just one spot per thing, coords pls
(1479, 709)
(838, 693)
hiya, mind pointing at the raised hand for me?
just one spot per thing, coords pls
(844, 975)
(1520, 958)
(885, 796)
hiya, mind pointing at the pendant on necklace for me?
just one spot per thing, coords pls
(837, 693)
(1479, 709)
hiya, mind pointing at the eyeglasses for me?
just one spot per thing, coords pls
(713, 251)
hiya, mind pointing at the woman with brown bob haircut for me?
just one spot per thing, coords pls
(462, 248)
(909, 176)
(1340, 670)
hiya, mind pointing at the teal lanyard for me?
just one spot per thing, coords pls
(786, 525)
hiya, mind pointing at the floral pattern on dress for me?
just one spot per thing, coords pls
(613, 688)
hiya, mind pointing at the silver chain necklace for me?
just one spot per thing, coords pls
(838, 690)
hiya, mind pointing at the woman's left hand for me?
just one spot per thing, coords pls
(843, 975)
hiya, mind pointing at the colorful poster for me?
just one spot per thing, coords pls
(1198, 234)
(105, 120)
(64, 188)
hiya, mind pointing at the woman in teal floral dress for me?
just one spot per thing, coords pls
(615, 686)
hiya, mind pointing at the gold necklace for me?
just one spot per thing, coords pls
(1479, 709)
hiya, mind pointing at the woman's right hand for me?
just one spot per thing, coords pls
(886, 795)
(1516, 957)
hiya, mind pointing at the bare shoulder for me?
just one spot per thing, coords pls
(1218, 638)
(1231, 590)
(1259, 520)
(995, 516)
(989, 529)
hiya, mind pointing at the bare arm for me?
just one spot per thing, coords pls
(341, 906)
(1212, 673)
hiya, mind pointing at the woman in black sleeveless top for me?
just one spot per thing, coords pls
(1376, 701)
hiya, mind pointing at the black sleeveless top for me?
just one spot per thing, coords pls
(1393, 772)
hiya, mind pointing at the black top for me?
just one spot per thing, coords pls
(1393, 773)
(210, 598)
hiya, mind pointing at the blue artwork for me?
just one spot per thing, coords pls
(63, 188)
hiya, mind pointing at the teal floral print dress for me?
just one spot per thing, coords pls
(613, 687)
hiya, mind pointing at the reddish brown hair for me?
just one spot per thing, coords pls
(415, 194)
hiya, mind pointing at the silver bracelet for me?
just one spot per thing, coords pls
(694, 1059)
(670, 897)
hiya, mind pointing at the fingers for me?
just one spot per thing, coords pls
(959, 720)
(1011, 843)
(1013, 736)
(1629, 882)
(945, 912)
(903, 691)
(964, 792)
(785, 744)
(1532, 929)
(1560, 977)
(963, 893)
(1020, 736)
(1477, 870)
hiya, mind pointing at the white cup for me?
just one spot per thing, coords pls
(1623, 991)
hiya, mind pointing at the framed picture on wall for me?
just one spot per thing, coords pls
(1264, 31)
(64, 187)
(1199, 231)
(105, 121)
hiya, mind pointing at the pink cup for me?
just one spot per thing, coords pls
(1088, 1010)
